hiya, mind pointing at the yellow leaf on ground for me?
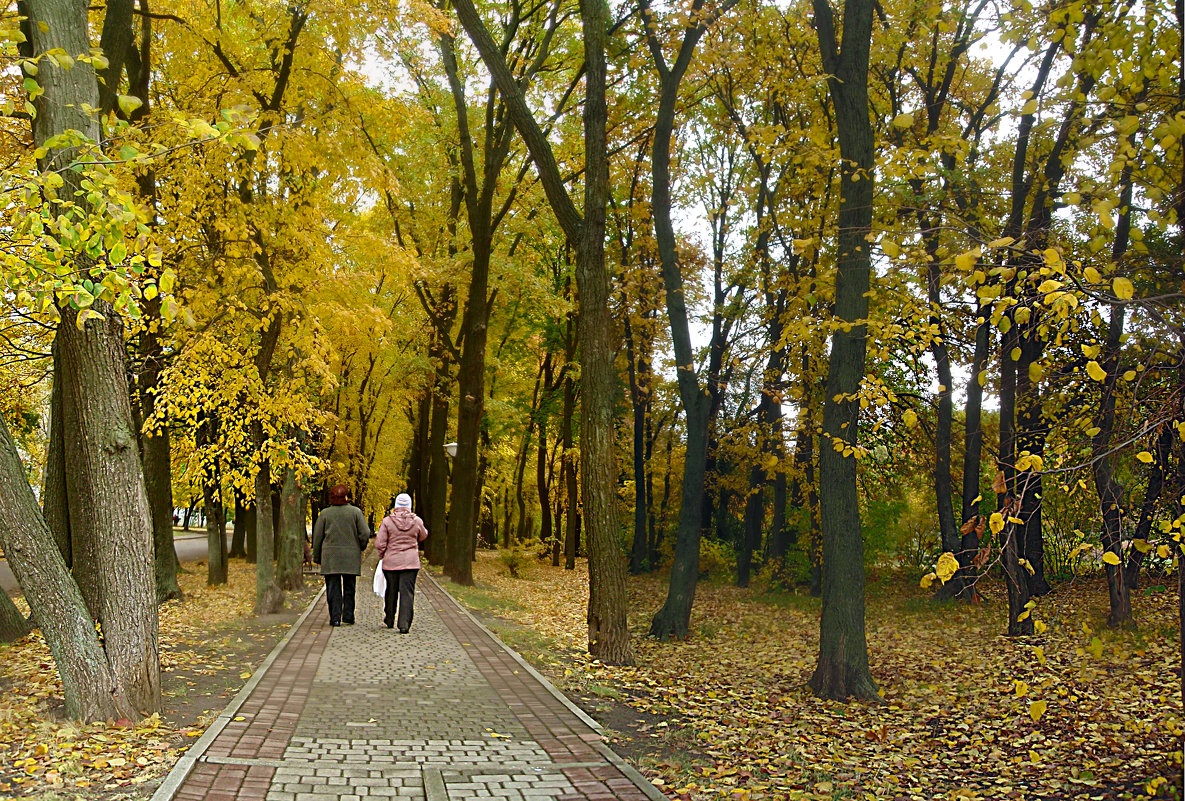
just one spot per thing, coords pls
(1037, 709)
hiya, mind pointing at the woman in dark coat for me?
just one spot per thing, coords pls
(339, 538)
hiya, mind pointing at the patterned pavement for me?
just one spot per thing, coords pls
(445, 712)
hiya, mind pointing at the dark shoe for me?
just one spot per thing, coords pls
(335, 622)
(347, 622)
(389, 625)
(403, 631)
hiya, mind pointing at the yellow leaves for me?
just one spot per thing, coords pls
(927, 580)
(946, 567)
(1092, 276)
(1162, 551)
(1145, 457)
(1037, 709)
(890, 248)
(902, 121)
(1110, 558)
(1002, 242)
(1028, 108)
(1096, 372)
(1020, 687)
(910, 418)
(1122, 288)
(996, 522)
(129, 103)
(964, 262)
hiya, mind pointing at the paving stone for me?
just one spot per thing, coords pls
(359, 713)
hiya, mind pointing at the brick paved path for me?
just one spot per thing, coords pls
(445, 712)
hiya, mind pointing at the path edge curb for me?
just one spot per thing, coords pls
(601, 746)
(186, 763)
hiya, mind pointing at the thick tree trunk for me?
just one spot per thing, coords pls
(289, 567)
(842, 669)
(607, 622)
(157, 462)
(90, 685)
(608, 628)
(107, 500)
(1031, 435)
(269, 598)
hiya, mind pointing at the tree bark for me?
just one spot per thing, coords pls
(269, 598)
(289, 568)
(216, 567)
(842, 669)
(91, 687)
(157, 462)
(607, 623)
(56, 507)
(238, 539)
(13, 624)
(571, 479)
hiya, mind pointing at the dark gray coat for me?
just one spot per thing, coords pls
(339, 538)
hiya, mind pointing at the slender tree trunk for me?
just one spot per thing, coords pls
(251, 532)
(964, 580)
(91, 687)
(1008, 504)
(842, 669)
(571, 479)
(437, 511)
(56, 508)
(216, 567)
(269, 598)
(238, 539)
(542, 490)
(640, 399)
(157, 462)
(13, 624)
(289, 568)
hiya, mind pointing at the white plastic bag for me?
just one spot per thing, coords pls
(380, 581)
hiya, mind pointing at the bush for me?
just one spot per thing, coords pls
(516, 559)
(716, 559)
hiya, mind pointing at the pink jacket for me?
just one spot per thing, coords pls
(398, 540)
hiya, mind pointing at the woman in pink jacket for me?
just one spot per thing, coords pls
(398, 545)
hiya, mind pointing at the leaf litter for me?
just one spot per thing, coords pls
(1079, 712)
(208, 641)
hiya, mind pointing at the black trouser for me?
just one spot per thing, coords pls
(401, 589)
(339, 591)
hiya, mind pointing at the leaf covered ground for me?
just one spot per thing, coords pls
(210, 644)
(1079, 712)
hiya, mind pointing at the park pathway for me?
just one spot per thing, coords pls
(446, 712)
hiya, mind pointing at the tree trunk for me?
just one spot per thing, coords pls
(842, 669)
(1008, 505)
(251, 533)
(215, 511)
(607, 623)
(542, 490)
(13, 624)
(438, 480)
(289, 568)
(56, 508)
(91, 687)
(107, 500)
(640, 400)
(238, 531)
(157, 462)
(964, 580)
(571, 479)
(269, 598)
